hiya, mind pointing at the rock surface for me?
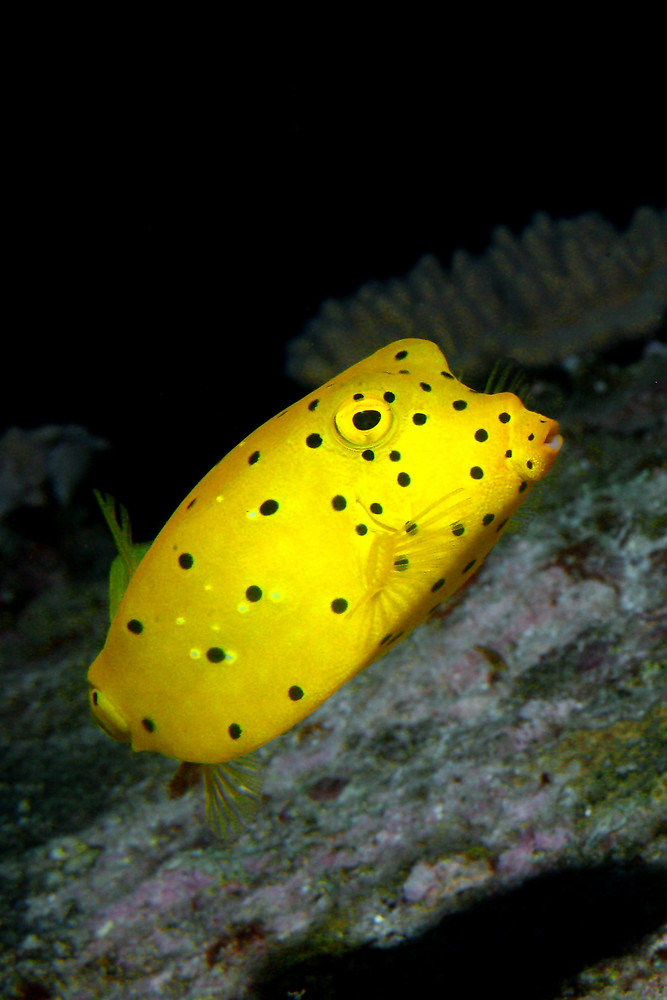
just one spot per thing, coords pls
(486, 805)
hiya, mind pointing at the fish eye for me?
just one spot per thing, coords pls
(107, 716)
(364, 421)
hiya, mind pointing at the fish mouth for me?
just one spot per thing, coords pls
(554, 439)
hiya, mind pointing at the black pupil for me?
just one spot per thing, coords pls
(365, 420)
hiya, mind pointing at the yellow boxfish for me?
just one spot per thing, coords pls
(309, 551)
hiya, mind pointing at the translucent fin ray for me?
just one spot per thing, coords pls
(233, 794)
(130, 553)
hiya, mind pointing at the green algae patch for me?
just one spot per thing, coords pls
(619, 768)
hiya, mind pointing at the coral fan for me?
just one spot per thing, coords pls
(561, 287)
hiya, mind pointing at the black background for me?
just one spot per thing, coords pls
(172, 227)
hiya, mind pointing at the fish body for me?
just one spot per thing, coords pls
(310, 550)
